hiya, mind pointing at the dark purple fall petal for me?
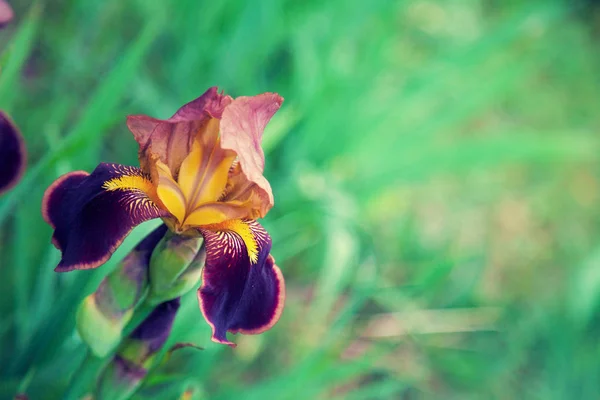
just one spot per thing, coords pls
(91, 222)
(237, 295)
(12, 151)
(155, 329)
(6, 13)
(171, 139)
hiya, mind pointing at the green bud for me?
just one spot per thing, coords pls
(120, 380)
(136, 355)
(175, 267)
(102, 316)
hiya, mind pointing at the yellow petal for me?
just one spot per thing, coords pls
(215, 213)
(169, 193)
(203, 173)
(204, 216)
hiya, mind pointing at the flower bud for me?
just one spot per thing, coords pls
(175, 267)
(124, 374)
(103, 315)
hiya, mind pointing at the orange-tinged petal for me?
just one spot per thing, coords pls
(241, 189)
(169, 192)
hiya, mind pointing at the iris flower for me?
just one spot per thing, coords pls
(12, 149)
(6, 13)
(12, 153)
(201, 171)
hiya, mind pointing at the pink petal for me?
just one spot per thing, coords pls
(171, 139)
(242, 127)
(6, 13)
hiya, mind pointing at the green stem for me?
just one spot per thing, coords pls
(139, 315)
(84, 377)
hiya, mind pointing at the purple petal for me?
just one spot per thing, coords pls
(6, 13)
(238, 295)
(156, 328)
(242, 126)
(90, 222)
(12, 150)
(171, 139)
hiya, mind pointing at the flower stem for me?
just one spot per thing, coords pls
(140, 314)
(84, 377)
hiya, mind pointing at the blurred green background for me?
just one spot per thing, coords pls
(435, 167)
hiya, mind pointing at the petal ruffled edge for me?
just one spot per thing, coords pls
(12, 152)
(93, 213)
(170, 140)
(242, 127)
(242, 290)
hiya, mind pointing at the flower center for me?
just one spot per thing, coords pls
(193, 197)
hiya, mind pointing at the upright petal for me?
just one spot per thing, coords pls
(169, 192)
(242, 288)
(203, 174)
(242, 126)
(171, 139)
(12, 151)
(6, 13)
(92, 213)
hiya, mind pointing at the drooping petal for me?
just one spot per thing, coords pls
(171, 139)
(12, 151)
(92, 213)
(242, 126)
(6, 13)
(242, 288)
